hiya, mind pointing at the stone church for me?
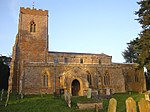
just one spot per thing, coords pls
(36, 70)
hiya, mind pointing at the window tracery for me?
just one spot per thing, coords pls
(32, 26)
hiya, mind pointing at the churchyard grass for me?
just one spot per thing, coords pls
(121, 98)
(47, 103)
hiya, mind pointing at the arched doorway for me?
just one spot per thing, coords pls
(75, 87)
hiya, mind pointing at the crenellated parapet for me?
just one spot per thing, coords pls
(33, 11)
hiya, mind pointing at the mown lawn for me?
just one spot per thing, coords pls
(47, 103)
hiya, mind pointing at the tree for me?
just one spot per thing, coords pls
(144, 43)
(139, 49)
(130, 54)
(4, 72)
(144, 14)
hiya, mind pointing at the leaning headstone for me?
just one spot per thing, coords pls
(2, 94)
(65, 96)
(147, 97)
(69, 100)
(112, 105)
(130, 105)
(144, 106)
(89, 93)
(8, 93)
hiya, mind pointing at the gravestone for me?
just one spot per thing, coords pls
(112, 105)
(147, 97)
(65, 95)
(94, 93)
(100, 91)
(89, 93)
(107, 91)
(130, 105)
(90, 105)
(144, 105)
(130, 92)
(8, 93)
(2, 94)
(147, 92)
(96, 108)
(69, 100)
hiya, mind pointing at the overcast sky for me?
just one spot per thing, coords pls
(88, 26)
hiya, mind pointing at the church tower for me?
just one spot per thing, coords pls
(31, 43)
(33, 34)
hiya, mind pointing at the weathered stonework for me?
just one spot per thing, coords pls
(33, 70)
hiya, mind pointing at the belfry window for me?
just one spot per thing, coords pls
(100, 62)
(81, 60)
(65, 60)
(45, 80)
(32, 27)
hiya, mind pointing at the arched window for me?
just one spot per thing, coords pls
(32, 26)
(128, 78)
(81, 61)
(100, 62)
(45, 80)
(65, 60)
(89, 78)
(99, 81)
(136, 78)
(106, 79)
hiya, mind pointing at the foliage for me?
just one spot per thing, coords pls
(5, 60)
(141, 45)
(144, 14)
(4, 71)
(144, 49)
(130, 54)
(144, 42)
(47, 103)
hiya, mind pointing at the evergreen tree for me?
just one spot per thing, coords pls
(144, 14)
(143, 45)
(130, 54)
(139, 49)
(4, 72)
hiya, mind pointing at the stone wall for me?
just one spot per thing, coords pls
(74, 58)
(66, 73)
